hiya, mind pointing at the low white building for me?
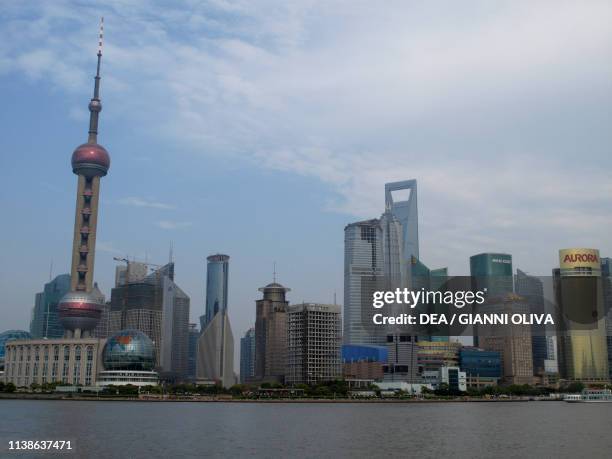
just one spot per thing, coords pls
(453, 377)
(395, 386)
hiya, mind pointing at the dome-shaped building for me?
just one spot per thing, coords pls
(128, 358)
(129, 350)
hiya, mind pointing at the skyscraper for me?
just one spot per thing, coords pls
(78, 310)
(158, 307)
(513, 342)
(247, 356)
(606, 280)
(531, 289)
(581, 329)
(194, 334)
(217, 275)
(45, 319)
(314, 343)
(491, 272)
(363, 266)
(215, 355)
(271, 333)
(401, 201)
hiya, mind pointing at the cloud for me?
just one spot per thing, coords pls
(172, 225)
(108, 247)
(143, 202)
(500, 111)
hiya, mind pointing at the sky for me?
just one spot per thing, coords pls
(260, 129)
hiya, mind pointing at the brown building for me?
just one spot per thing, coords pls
(271, 334)
(363, 370)
(435, 354)
(513, 342)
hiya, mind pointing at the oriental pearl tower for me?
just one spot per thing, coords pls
(79, 311)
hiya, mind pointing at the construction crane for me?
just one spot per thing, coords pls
(128, 262)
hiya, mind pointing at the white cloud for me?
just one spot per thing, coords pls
(108, 247)
(144, 202)
(172, 225)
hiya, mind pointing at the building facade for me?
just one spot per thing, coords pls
(158, 307)
(512, 342)
(64, 360)
(363, 362)
(215, 354)
(314, 343)
(402, 362)
(606, 280)
(482, 368)
(581, 334)
(271, 333)
(247, 356)
(531, 289)
(492, 273)
(217, 278)
(363, 266)
(194, 334)
(435, 354)
(45, 321)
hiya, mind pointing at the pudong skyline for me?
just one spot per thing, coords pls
(149, 193)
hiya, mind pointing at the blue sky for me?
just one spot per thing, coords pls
(259, 129)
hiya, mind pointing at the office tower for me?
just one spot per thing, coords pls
(134, 271)
(606, 280)
(271, 333)
(159, 308)
(45, 319)
(435, 354)
(513, 341)
(483, 368)
(102, 329)
(215, 355)
(217, 275)
(581, 328)
(363, 267)
(438, 278)
(314, 343)
(247, 356)
(531, 289)
(491, 272)
(79, 312)
(194, 334)
(174, 353)
(401, 201)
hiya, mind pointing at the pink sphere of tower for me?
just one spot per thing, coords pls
(90, 159)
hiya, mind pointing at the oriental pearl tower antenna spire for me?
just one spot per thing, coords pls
(79, 310)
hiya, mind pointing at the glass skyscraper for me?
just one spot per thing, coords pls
(247, 355)
(493, 272)
(216, 287)
(532, 290)
(363, 262)
(45, 319)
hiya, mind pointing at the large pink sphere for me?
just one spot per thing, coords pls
(90, 159)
